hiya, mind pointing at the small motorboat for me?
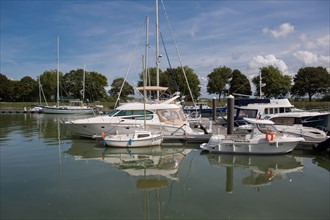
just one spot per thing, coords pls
(263, 139)
(140, 138)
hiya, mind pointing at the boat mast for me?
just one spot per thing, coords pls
(260, 84)
(145, 71)
(146, 58)
(157, 50)
(83, 93)
(39, 90)
(57, 73)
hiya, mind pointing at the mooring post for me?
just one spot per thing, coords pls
(214, 109)
(230, 114)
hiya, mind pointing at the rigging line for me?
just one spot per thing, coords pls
(128, 69)
(177, 51)
(169, 63)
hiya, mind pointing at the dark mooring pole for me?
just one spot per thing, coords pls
(230, 114)
(214, 109)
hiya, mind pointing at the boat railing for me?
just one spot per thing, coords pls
(179, 128)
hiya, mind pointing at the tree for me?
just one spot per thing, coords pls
(4, 88)
(116, 86)
(176, 81)
(95, 84)
(27, 89)
(311, 81)
(276, 83)
(239, 83)
(218, 79)
(48, 82)
(151, 80)
(72, 83)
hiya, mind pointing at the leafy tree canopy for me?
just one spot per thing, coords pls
(311, 81)
(239, 83)
(276, 84)
(218, 79)
(175, 80)
(116, 86)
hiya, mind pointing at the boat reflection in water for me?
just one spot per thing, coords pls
(143, 161)
(153, 169)
(264, 169)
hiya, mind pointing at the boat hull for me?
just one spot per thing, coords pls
(249, 147)
(67, 110)
(88, 130)
(130, 141)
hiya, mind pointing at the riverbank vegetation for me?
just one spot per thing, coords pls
(310, 82)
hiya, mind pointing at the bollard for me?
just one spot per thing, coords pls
(230, 114)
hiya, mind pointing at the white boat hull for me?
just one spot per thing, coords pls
(89, 129)
(266, 147)
(67, 110)
(130, 140)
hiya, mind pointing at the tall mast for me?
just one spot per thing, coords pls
(83, 93)
(39, 90)
(146, 59)
(157, 50)
(145, 71)
(260, 85)
(58, 72)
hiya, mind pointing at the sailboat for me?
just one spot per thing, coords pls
(74, 107)
(165, 115)
(139, 138)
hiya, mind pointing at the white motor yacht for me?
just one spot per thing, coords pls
(165, 117)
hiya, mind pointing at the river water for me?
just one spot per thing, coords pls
(48, 173)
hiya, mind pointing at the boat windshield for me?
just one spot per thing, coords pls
(264, 128)
(113, 112)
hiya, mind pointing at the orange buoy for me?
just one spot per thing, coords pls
(269, 136)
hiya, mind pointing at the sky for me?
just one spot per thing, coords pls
(109, 36)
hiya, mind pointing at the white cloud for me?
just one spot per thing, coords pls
(264, 61)
(282, 31)
(311, 59)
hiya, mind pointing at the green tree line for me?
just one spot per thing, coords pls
(308, 82)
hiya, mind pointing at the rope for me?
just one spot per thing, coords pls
(177, 51)
(129, 67)
(169, 63)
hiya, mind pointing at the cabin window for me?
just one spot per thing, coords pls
(287, 109)
(143, 135)
(132, 112)
(266, 111)
(281, 110)
(148, 117)
(271, 111)
(275, 110)
(247, 113)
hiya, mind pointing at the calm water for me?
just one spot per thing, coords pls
(46, 173)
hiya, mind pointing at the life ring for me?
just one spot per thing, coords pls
(270, 136)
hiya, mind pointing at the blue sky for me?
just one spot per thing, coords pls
(103, 35)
